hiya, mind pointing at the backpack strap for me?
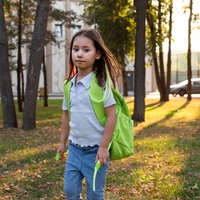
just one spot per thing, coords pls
(97, 92)
(67, 86)
(121, 105)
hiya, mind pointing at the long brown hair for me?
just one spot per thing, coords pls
(106, 59)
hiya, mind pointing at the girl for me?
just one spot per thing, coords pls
(88, 139)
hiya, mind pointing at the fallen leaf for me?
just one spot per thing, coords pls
(195, 187)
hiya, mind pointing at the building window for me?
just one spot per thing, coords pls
(58, 30)
(75, 29)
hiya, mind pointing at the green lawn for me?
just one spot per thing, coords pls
(166, 163)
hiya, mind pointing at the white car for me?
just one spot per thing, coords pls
(181, 88)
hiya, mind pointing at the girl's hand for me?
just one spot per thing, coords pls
(61, 149)
(102, 155)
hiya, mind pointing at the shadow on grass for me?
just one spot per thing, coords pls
(35, 157)
(191, 171)
(171, 162)
(18, 141)
(169, 115)
(149, 106)
(154, 105)
(173, 149)
(28, 170)
(34, 176)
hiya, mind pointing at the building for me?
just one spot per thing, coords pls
(57, 58)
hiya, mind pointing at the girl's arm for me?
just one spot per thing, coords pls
(103, 153)
(64, 132)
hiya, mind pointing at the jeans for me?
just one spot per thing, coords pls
(80, 164)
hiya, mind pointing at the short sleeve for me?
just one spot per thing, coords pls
(64, 104)
(110, 100)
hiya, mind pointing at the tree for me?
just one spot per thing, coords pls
(19, 29)
(35, 61)
(169, 52)
(68, 18)
(8, 106)
(189, 72)
(19, 59)
(156, 18)
(139, 90)
(114, 20)
(19, 34)
(45, 79)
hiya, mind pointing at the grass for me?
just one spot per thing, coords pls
(166, 163)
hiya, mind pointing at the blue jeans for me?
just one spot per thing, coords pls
(80, 164)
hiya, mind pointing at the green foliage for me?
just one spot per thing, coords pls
(157, 37)
(68, 18)
(115, 21)
(6, 5)
(195, 13)
(165, 164)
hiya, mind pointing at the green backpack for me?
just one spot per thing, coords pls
(121, 145)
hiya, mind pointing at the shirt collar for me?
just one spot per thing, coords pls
(85, 81)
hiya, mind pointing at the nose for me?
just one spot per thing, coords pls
(79, 54)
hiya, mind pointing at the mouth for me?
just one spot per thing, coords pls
(79, 61)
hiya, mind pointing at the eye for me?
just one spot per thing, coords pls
(86, 50)
(75, 49)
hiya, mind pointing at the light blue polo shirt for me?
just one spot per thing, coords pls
(85, 127)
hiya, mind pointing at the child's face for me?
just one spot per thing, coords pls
(84, 53)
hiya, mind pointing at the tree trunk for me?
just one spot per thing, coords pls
(125, 84)
(36, 53)
(19, 60)
(189, 53)
(139, 90)
(153, 49)
(157, 40)
(161, 60)
(22, 82)
(169, 52)
(45, 80)
(8, 106)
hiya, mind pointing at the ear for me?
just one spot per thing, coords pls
(98, 55)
